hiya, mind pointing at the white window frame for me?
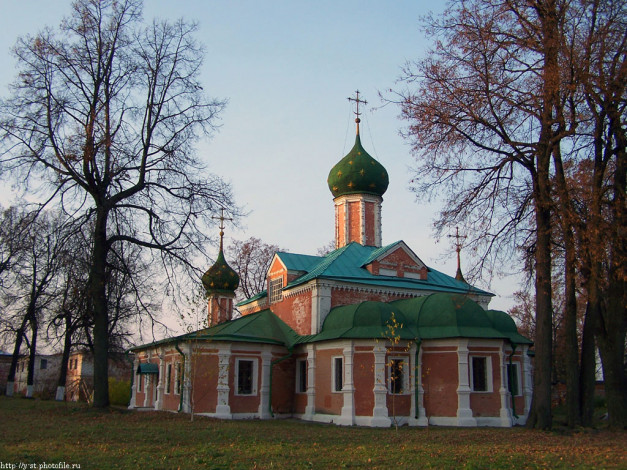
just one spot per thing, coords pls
(405, 377)
(275, 290)
(301, 375)
(255, 373)
(488, 373)
(518, 378)
(334, 388)
(139, 382)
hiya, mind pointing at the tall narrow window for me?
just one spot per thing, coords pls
(338, 375)
(512, 379)
(396, 374)
(479, 374)
(301, 376)
(43, 364)
(246, 377)
(178, 378)
(275, 290)
(168, 378)
(139, 382)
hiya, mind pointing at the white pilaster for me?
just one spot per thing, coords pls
(380, 416)
(505, 411)
(347, 417)
(527, 381)
(464, 413)
(310, 409)
(134, 383)
(264, 389)
(160, 384)
(223, 409)
(186, 405)
(320, 306)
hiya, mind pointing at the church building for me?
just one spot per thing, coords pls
(367, 335)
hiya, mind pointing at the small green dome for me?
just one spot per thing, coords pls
(358, 173)
(220, 277)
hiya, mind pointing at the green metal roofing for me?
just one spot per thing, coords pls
(504, 323)
(260, 327)
(346, 264)
(147, 368)
(297, 262)
(358, 173)
(365, 320)
(435, 316)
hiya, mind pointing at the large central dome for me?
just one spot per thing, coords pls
(358, 173)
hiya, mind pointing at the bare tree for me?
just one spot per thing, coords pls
(251, 260)
(35, 287)
(482, 125)
(106, 111)
(517, 99)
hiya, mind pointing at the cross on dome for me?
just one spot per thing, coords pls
(357, 113)
(221, 219)
(458, 248)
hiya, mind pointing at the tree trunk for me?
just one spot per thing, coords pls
(540, 413)
(613, 321)
(30, 380)
(67, 346)
(588, 364)
(19, 338)
(98, 304)
(571, 344)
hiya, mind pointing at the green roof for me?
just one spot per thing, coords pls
(434, 316)
(260, 327)
(147, 368)
(347, 264)
(358, 173)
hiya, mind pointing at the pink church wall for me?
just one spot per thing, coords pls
(327, 401)
(363, 378)
(440, 380)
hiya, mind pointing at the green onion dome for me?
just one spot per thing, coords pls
(220, 277)
(358, 173)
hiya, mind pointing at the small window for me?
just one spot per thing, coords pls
(513, 379)
(338, 375)
(246, 377)
(168, 378)
(43, 364)
(139, 382)
(275, 290)
(301, 376)
(178, 378)
(479, 374)
(397, 376)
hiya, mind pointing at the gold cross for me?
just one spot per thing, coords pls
(457, 236)
(357, 101)
(221, 219)
(357, 113)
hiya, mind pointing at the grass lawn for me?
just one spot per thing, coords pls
(36, 432)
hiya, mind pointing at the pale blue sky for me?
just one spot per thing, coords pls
(286, 68)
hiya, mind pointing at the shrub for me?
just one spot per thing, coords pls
(119, 392)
